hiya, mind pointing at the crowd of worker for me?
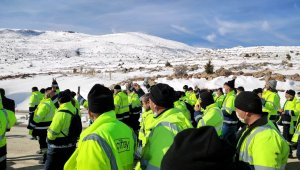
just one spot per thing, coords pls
(225, 128)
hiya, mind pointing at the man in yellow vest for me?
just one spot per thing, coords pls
(272, 101)
(212, 115)
(145, 125)
(167, 122)
(121, 104)
(34, 101)
(108, 143)
(146, 119)
(181, 105)
(62, 134)
(7, 120)
(230, 120)
(42, 119)
(287, 114)
(260, 144)
(8, 104)
(219, 97)
(296, 135)
(135, 108)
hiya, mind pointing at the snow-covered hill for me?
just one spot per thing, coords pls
(35, 51)
(29, 51)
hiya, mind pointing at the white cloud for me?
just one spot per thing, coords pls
(226, 27)
(211, 37)
(265, 26)
(181, 29)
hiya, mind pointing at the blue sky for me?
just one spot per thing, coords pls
(203, 23)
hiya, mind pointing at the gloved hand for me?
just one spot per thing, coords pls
(263, 102)
(198, 115)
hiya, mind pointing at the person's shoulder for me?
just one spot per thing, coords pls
(267, 134)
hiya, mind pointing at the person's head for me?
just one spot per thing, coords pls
(271, 85)
(206, 99)
(64, 96)
(100, 99)
(229, 86)
(240, 89)
(162, 97)
(178, 95)
(248, 107)
(220, 91)
(73, 94)
(298, 94)
(54, 84)
(145, 101)
(213, 153)
(191, 89)
(34, 89)
(136, 86)
(290, 94)
(49, 93)
(258, 91)
(117, 89)
(2, 92)
(185, 88)
(42, 90)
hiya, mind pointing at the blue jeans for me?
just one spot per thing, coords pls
(229, 133)
(57, 157)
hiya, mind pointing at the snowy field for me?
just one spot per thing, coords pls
(20, 89)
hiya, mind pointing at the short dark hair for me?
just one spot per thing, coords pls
(220, 90)
(42, 90)
(48, 88)
(145, 97)
(35, 89)
(240, 88)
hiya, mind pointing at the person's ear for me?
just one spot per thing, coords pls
(91, 115)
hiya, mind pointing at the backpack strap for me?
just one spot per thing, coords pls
(68, 112)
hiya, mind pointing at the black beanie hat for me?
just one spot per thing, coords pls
(54, 83)
(248, 102)
(185, 87)
(64, 96)
(100, 99)
(117, 87)
(291, 92)
(162, 95)
(230, 83)
(199, 149)
(206, 99)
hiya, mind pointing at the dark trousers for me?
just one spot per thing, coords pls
(3, 152)
(229, 132)
(57, 157)
(42, 134)
(286, 134)
(3, 165)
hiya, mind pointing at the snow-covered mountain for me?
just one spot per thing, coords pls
(29, 51)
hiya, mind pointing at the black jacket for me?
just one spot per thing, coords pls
(8, 104)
